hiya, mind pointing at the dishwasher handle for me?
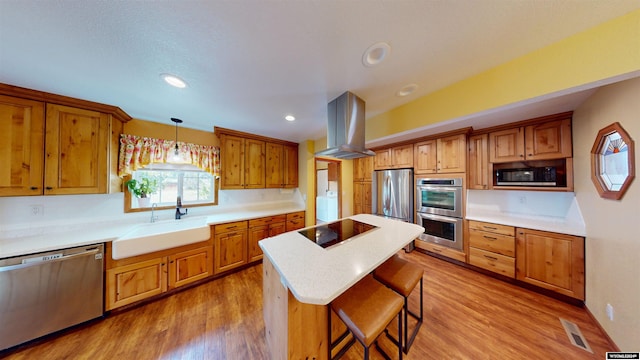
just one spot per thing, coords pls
(36, 263)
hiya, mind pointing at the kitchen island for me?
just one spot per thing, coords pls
(300, 278)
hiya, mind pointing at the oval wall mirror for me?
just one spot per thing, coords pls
(612, 162)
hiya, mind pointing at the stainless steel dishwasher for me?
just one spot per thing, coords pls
(45, 292)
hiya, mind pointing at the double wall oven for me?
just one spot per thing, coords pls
(439, 210)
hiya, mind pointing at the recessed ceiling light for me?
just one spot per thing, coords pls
(289, 117)
(174, 81)
(407, 90)
(375, 54)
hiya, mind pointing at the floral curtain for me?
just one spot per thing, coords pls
(137, 152)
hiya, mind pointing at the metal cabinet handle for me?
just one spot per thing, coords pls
(489, 227)
(491, 257)
(490, 238)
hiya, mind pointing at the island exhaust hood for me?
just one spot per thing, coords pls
(345, 128)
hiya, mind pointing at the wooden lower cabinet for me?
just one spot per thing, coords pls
(492, 247)
(263, 228)
(440, 250)
(134, 279)
(551, 261)
(230, 245)
(295, 221)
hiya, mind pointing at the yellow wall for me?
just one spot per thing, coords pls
(608, 50)
(161, 131)
(612, 242)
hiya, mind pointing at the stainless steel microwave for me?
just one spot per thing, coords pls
(530, 176)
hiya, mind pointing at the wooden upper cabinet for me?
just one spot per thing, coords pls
(394, 158)
(363, 168)
(543, 141)
(452, 154)
(443, 155)
(76, 144)
(281, 166)
(551, 261)
(506, 145)
(382, 160)
(426, 159)
(254, 162)
(478, 169)
(21, 146)
(549, 140)
(290, 166)
(242, 162)
(232, 162)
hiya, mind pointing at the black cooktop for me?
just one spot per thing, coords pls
(330, 234)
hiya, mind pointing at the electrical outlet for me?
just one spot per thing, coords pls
(610, 312)
(36, 210)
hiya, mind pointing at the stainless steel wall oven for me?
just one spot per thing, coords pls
(439, 210)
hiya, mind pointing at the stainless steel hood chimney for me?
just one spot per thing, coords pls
(345, 128)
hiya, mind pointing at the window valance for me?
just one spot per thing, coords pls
(137, 152)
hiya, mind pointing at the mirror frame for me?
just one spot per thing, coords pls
(596, 152)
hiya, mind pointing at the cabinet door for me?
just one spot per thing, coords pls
(230, 250)
(231, 162)
(189, 266)
(362, 168)
(506, 145)
(290, 165)
(478, 172)
(382, 159)
(402, 156)
(130, 283)
(550, 140)
(274, 177)
(362, 198)
(21, 146)
(426, 160)
(254, 164)
(76, 143)
(257, 233)
(452, 154)
(551, 261)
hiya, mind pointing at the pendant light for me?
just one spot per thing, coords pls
(176, 152)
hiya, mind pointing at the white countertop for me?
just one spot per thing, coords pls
(316, 275)
(542, 223)
(78, 234)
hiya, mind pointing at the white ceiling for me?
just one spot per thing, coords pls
(248, 63)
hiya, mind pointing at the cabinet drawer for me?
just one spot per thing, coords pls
(238, 225)
(295, 224)
(494, 228)
(299, 215)
(502, 244)
(493, 262)
(268, 220)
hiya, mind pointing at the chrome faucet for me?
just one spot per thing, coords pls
(153, 217)
(178, 206)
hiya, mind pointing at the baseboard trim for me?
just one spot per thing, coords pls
(614, 347)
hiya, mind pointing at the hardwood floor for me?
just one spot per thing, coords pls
(467, 316)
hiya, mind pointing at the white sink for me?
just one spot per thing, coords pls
(150, 237)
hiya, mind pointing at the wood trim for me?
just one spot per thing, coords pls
(604, 332)
(12, 90)
(527, 122)
(465, 130)
(219, 131)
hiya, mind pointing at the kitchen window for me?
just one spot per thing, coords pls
(195, 188)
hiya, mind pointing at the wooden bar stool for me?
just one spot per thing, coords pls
(367, 308)
(402, 277)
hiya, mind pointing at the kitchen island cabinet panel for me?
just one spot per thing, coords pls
(21, 146)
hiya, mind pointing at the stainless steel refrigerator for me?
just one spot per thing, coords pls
(392, 194)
